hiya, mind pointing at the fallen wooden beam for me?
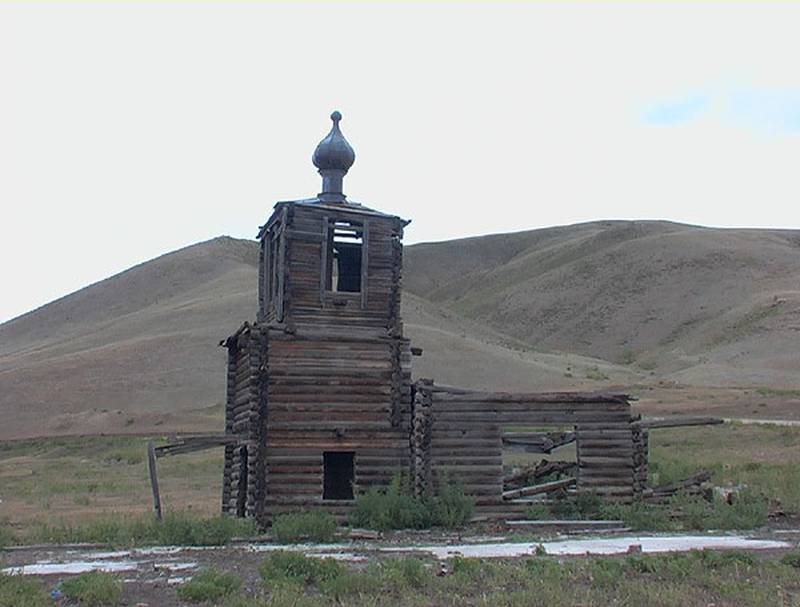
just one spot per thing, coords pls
(678, 422)
(562, 483)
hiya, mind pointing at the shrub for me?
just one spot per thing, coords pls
(297, 526)
(469, 567)
(406, 572)
(392, 508)
(283, 565)
(450, 508)
(396, 508)
(792, 558)
(93, 589)
(747, 511)
(21, 591)
(209, 585)
(355, 583)
(606, 572)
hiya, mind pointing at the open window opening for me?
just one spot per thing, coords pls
(339, 475)
(273, 270)
(345, 251)
(539, 462)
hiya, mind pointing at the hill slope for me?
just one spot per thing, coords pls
(701, 305)
(138, 352)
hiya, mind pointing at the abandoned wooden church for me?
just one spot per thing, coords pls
(319, 388)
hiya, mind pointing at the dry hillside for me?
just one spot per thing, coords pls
(623, 303)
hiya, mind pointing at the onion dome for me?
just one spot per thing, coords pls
(333, 158)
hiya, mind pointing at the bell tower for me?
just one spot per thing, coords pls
(326, 406)
(329, 264)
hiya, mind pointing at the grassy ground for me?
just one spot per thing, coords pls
(53, 484)
(700, 578)
(64, 482)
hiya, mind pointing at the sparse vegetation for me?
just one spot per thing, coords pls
(286, 566)
(209, 585)
(294, 527)
(21, 591)
(177, 528)
(596, 374)
(395, 507)
(628, 357)
(6, 535)
(778, 393)
(93, 589)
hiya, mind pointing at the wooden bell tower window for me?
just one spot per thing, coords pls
(345, 255)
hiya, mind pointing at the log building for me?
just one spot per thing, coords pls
(319, 388)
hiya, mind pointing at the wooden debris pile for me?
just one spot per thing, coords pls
(697, 484)
(546, 478)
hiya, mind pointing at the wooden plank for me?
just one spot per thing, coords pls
(151, 464)
(542, 488)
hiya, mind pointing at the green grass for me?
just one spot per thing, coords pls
(395, 507)
(285, 566)
(304, 526)
(693, 579)
(762, 458)
(22, 591)
(691, 513)
(93, 589)
(177, 528)
(209, 585)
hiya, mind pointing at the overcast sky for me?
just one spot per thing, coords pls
(130, 130)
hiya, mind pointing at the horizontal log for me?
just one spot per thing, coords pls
(536, 397)
(678, 422)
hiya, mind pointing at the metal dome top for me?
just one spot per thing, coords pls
(333, 158)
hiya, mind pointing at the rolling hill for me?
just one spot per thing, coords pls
(648, 305)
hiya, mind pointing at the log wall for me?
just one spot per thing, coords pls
(334, 395)
(306, 302)
(245, 411)
(466, 438)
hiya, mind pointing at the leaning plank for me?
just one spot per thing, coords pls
(535, 489)
(191, 444)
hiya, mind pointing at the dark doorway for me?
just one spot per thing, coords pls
(339, 475)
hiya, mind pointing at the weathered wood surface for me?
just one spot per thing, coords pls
(678, 422)
(151, 466)
(695, 484)
(535, 474)
(190, 444)
(562, 483)
(601, 422)
(538, 442)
